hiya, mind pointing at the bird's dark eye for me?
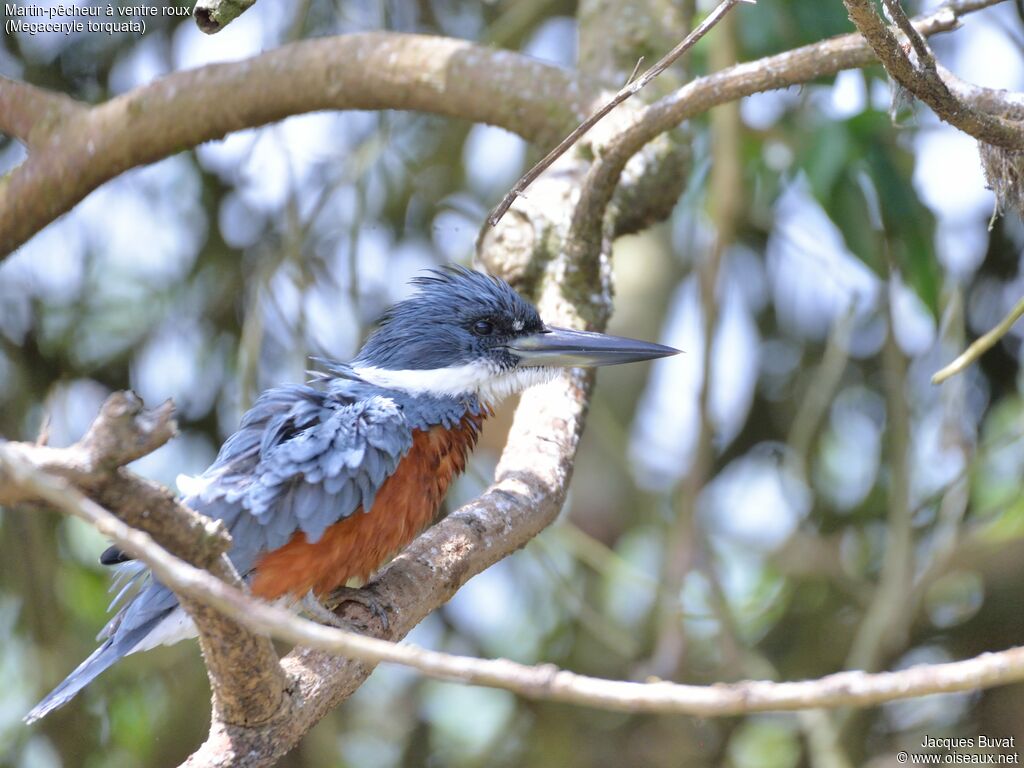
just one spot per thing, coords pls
(483, 328)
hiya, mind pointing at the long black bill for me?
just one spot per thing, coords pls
(565, 348)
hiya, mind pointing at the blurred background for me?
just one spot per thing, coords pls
(812, 504)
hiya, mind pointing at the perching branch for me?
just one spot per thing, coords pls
(529, 490)
(544, 682)
(980, 346)
(244, 671)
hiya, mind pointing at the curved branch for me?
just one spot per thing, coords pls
(995, 101)
(545, 682)
(629, 89)
(924, 81)
(800, 65)
(375, 70)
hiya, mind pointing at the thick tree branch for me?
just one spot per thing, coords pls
(537, 682)
(240, 663)
(122, 432)
(361, 71)
(995, 101)
(924, 81)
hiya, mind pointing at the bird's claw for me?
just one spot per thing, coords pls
(334, 604)
(316, 610)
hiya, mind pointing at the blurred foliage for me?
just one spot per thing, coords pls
(215, 273)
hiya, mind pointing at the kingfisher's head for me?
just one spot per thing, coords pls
(464, 332)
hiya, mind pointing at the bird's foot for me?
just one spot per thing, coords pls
(350, 608)
(317, 611)
(360, 607)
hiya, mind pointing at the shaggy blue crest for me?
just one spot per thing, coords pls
(437, 322)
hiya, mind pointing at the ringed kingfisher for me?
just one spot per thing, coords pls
(324, 481)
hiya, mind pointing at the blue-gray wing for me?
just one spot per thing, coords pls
(302, 460)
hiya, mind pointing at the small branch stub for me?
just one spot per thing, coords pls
(213, 15)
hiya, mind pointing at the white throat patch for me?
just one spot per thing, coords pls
(489, 383)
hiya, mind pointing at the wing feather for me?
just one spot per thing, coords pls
(302, 460)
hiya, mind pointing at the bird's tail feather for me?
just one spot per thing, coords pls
(122, 642)
(100, 659)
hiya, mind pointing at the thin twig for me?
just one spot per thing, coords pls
(924, 53)
(624, 93)
(980, 346)
(886, 620)
(636, 68)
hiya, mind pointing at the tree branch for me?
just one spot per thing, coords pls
(629, 89)
(995, 101)
(376, 70)
(793, 67)
(924, 81)
(536, 682)
(531, 482)
(240, 663)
